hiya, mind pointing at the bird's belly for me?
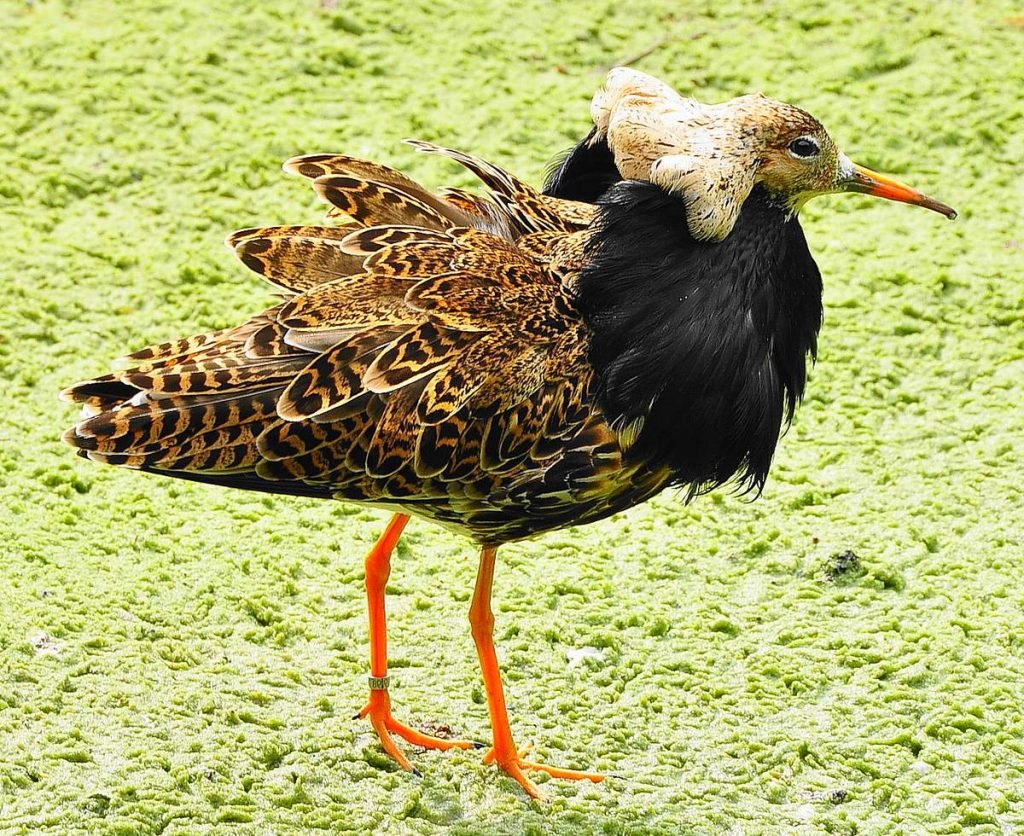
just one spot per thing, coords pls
(497, 508)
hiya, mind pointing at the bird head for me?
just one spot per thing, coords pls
(714, 155)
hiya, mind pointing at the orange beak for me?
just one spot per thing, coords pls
(866, 181)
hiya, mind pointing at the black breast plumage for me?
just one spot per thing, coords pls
(700, 349)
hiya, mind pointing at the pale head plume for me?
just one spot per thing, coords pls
(709, 154)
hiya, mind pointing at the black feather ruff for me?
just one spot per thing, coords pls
(701, 348)
(583, 173)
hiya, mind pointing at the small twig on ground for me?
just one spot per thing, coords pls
(643, 53)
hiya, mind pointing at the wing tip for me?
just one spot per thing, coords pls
(239, 235)
(293, 165)
(309, 166)
(71, 437)
(68, 395)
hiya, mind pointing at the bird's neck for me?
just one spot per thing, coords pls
(700, 349)
(584, 172)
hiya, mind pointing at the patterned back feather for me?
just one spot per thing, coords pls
(427, 354)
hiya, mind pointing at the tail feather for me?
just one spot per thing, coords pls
(373, 203)
(372, 239)
(202, 380)
(155, 422)
(326, 233)
(297, 263)
(101, 394)
(194, 349)
(358, 301)
(315, 166)
(524, 206)
(334, 377)
(174, 348)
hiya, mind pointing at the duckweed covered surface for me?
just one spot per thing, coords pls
(843, 655)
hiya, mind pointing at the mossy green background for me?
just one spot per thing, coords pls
(181, 659)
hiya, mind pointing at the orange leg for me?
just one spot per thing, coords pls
(378, 709)
(503, 752)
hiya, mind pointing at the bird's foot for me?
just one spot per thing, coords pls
(378, 709)
(515, 764)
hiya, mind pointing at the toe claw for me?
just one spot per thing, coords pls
(378, 710)
(515, 765)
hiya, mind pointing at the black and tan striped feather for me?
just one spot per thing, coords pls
(427, 355)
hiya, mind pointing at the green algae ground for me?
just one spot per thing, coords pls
(844, 655)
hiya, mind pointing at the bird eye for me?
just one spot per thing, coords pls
(804, 147)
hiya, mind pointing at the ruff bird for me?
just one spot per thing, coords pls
(512, 362)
